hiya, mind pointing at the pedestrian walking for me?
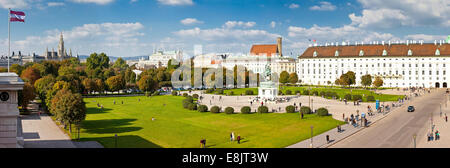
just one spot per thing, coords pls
(239, 139)
(343, 116)
(328, 138)
(445, 117)
(232, 136)
(437, 135)
(302, 114)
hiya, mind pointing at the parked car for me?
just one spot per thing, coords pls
(411, 109)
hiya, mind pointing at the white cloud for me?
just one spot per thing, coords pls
(51, 4)
(232, 24)
(324, 6)
(15, 4)
(294, 6)
(391, 14)
(99, 2)
(176, 2)
(273, 24)
(190, 21)
(133, 1)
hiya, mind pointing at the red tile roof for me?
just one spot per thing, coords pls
(266, 49)
(377, 50)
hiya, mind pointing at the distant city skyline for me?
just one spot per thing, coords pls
(136, 27)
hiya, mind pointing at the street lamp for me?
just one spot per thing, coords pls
(414, 138)
(311, 145)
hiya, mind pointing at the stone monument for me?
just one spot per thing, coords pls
(10, 130)
(268, 89)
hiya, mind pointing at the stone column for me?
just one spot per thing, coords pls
(10, 136)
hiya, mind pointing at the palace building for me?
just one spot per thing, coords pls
(399, 65)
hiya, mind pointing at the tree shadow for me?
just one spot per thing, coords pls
(97, 110)
(125, 141)
(110, 126)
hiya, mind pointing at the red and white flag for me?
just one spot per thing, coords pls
(17, 16)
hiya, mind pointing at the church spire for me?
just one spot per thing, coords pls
(61, 51)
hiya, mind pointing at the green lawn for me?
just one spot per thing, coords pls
(176, 127)
(341, 92)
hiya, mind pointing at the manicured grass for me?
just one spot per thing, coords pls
(340, 91)
(176, 127)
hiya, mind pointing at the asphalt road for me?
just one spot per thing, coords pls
(398, 128)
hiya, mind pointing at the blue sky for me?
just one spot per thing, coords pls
(136, 27)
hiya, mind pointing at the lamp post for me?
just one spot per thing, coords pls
(311, 145)
(414, 138)
(312, 104)
(309, 95)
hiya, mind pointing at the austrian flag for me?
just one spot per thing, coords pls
(17, 16)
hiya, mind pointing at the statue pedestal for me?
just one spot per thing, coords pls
(268, 90)
(10, 136)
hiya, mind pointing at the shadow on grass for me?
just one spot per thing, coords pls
(126, 141)
(97, 110)
(111, 126)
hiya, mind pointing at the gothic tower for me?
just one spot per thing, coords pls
(61, 51)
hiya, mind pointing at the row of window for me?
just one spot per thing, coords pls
(361, 53)
(373, 65)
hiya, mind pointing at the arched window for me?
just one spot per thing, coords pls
(384, 52)
(437, 52)
(409, 52)
(361, 53)
(336, 53)
(315, 54)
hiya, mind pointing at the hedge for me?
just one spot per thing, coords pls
(348, 97)
(315, 93)
(306, 92)
(288, 92)
(356, 97)
(210, 90)
(297, 91)
(230, 93)
(202, 108)
(249, 92)
(370, 98)
(229, 110)
(290, 109)
(174, 93)
(192, 106)
(215, 109)
(246, 110)
(263, 109)
(305, 110)
(322, 112)
(219, 91)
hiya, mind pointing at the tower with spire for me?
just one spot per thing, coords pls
(61, 51)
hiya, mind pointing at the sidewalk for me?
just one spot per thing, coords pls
(319, 141)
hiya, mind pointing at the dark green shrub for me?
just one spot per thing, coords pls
(202, 108)
(192, 106)
(195, 96)
(210, 90)
(297, 92)
(246, 110)
(290, 109)
(315, 93)
(323, 93)
(322, 111)
(215, 109)
(305, 110)
(249, 92)
(230, 93)
(356, 97)
(156, 93)
(263, 109)
(288, 92)
(370, 98)
(348, 97)
(186, 104)
(305, 92)
(190, 99)
(174, 93)
(219, 91)
(185, 94)
(229, 110)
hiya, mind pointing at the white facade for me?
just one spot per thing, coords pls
(160, 59)
(396, 71)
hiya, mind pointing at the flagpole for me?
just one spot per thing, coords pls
(9, 36)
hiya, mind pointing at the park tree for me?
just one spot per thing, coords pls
(16, 68)
(146, 83)
(352, 77)
(67, 71)
(59, 85)
(115, 83)
(88, 84)
(97, 61)
(284, 77)
(337, 82)
(366, 80)
(344, 80)
(120, 64)
(378, 82)
(51, 67)
(26, 95)
(42, 86)
(68, 108)
(293, 78)
(99, 85)
(40, 67)
(31, 74)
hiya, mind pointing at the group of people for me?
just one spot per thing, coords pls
(355, 120)
(436, 136)
(232, 138)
